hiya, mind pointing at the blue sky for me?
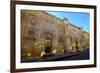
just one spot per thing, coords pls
(79, 19)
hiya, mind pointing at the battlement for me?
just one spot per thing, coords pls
(59, 19)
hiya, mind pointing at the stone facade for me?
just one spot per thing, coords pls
(42, 33)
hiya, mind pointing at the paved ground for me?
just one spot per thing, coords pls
(78, 56)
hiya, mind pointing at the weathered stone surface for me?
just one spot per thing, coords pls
(40, 30)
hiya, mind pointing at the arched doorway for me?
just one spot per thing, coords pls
(48, 44)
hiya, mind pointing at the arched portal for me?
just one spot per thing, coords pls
(48, 45)
(48, 42)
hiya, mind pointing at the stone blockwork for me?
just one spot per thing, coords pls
(42, 33)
